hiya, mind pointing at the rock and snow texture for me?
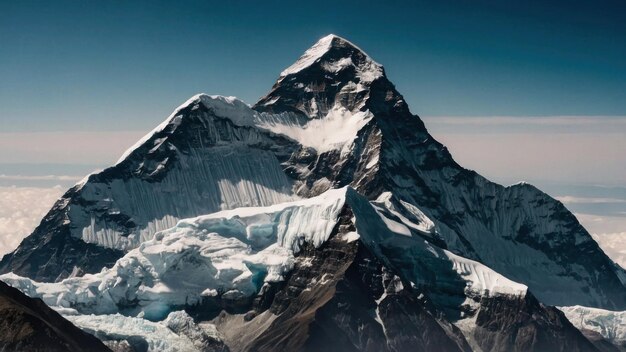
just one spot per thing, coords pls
(178, 332)
(204, 158)
(368, 71)
(226, 255)
(230, 255)
(518, 231)
(610, 324)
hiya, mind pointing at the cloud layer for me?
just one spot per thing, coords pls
(567, 149)
(21, 210)
(66, 147)
(614, 245)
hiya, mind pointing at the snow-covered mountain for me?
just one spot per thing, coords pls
(324, 216)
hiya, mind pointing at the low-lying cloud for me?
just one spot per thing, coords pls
(568, 149)
(588, 200)
(21, 210)
(614, 245)
(40, 178)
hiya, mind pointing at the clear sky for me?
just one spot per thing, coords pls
(84, 65)
(518, 90)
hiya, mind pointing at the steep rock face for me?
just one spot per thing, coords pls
(519, 231)
(523, 324)
(27, 324)
(339, 297)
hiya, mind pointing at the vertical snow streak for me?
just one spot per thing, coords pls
(217, 179)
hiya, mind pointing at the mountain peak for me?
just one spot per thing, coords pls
(335, 54)
(333, 73)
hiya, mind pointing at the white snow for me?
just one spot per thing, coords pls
(482, 279)
(310, 56)
(610, 324)
(232, 253)
(351, 236)
(338, 128)
(394, 226)
(367, 72)
(223, 177)
(176, 333)
(287, 224)
(372, 162)
(222, 106)
(400, 208)
(228, 254)
(391, 241)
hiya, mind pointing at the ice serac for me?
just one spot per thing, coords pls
(178, 332)
(518, 231)
(205, 157)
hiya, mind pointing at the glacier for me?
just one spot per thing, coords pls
(178, 332)
(609, 324)
(230, 255)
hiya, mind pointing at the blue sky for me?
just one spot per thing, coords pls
(518, 90)
(116, 65)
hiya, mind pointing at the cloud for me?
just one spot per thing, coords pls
(614, 245)
(578, 149)
(582, 123)
(95, 147)
(607, 231)
(21, 210)
(588, 200)
(40, 178)
(543, 120)
(601, 223)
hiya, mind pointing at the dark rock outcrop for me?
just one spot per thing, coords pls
(27, 324)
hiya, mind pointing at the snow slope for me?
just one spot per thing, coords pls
(368, 72)
(610, 324)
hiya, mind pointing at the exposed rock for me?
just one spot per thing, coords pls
(27, 324)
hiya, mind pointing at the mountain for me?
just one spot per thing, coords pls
(323, 217)
(200, 160)
(27, 324)
(328, 272)
(518, 231)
